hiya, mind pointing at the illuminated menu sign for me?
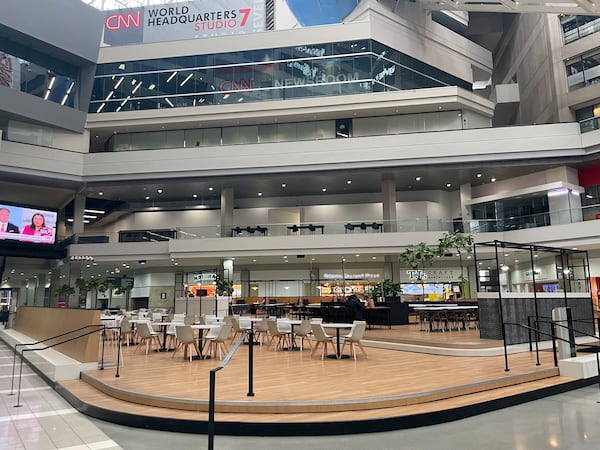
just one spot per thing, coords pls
(178, 21)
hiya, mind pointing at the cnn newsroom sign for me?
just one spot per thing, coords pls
(177, 21)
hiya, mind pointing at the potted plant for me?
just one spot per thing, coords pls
(417, 257)
(63, 293)
(460, 243)
(223, 286)
(387, 288)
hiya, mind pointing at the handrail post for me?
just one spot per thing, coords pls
(251, 363)
(18, 405)
(554, 352)
(529, 332)
(506, 369)
(598, 367)
(118, 353)
(211, 411)
(102, 337)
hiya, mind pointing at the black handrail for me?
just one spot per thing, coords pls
(97, 329)
(212, 382)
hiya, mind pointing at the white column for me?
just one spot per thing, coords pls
(226, 211)
(388, 188)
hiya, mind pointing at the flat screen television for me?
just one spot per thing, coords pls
(26, 224)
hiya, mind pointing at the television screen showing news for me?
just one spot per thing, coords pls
(27, 224)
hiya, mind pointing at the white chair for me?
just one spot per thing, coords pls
(321, 338)
(147, 334)
(216, 338)
(356, 334)
(276, 333)
(187, 339)
(304, 331)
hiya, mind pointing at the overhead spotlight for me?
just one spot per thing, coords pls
(81, 258)
(142, 261)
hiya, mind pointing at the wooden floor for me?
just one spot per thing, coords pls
(292, 387)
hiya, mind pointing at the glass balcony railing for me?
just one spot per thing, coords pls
(354, 227)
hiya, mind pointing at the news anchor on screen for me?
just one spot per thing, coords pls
(37, 227)
(5, 225)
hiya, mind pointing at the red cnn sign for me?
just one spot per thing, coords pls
(119, 21)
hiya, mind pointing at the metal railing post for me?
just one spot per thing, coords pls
(251, 363)
(211, 410)
(506, 369)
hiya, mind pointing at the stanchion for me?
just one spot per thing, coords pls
(251, 363)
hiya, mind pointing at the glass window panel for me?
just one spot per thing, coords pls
(370, 126)
(212, 136)
(174, 139)
(140, 141)
(287, 132)
(121, 142)
(193, 138)
(267, 133)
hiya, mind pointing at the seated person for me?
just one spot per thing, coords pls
(356, 306)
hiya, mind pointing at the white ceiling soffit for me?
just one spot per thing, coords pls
(585, 7)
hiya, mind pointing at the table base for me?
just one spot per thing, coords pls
(341, 356)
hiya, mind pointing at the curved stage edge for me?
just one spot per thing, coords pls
(316, 428)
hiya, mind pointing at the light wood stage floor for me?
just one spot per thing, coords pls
(297, 394)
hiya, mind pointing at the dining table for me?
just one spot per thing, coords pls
(338, 327)
(201, 328)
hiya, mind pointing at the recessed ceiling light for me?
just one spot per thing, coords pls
(478, 175)
(210, 189)
(348, 181)
(324, 189)
(373, 257)
(418, 178)
(448, 185)
(493, 180)
(357, 255)
(159, 191)
(147, 198)
(283, 185)
(285, 257)
(100, 193)
(195, 195)
(260, 194)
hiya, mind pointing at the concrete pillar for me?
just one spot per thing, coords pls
(226, 211)
(245, 282)
(388, 189)
(465, 210)
(78, 207)
(391, 268)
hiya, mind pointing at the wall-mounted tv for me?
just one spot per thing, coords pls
(27, 224)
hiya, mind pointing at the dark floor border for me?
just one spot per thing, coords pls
(317, 428)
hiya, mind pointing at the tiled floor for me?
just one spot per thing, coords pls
(46, 421)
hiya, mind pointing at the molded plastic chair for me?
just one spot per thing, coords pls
(356, 334)
(304, 331)
(276, 333)
(216, 340)
(148, 335)
(322, 338)
(126, 331)
(185, 338)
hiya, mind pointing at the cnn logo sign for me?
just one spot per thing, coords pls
(128, 20)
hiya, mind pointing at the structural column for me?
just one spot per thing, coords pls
(388, 188)
(226, 211)
(78, 211)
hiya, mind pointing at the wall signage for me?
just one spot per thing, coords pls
(431, 276)
(189, 20)
(200, 277)
(350, 276)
